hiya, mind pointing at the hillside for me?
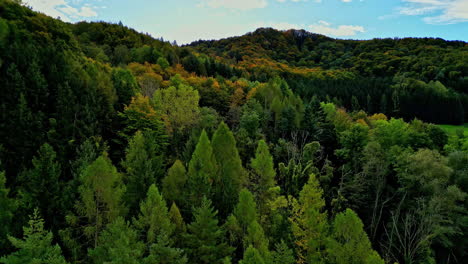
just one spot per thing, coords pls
(276, 147)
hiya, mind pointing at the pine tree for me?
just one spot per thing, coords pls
(205, 239)
(153, 220)
(264, 175)
(100, 202)
(246, 209)
(162, 253)
(201, 172)
(36, 246)
(309, 223)
(349, 243)
(7, 209)
(283, 254)
(256, 237)
(232, 175)
(178, 221)
(252, 256)
(41, 187)
(144, 166)
(174, 183)
(118, 244)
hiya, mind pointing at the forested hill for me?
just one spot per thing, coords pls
(410, 77)
(270, 148)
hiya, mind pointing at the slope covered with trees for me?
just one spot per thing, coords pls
(119, 148)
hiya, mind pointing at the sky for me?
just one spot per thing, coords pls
(189, 20)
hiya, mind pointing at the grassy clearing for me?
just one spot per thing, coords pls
(451, 129)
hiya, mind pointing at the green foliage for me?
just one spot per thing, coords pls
(264, 175)
(309, 223)
(117, 244)
(232, 175)
(144, 165)
(202, 171)
(36, 246)
(349, 242)
(252, 256)
(153, 220)
(7, 209)
(41, 188)
(205, 239)
(174, 183)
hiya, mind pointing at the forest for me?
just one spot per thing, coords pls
(276, 147)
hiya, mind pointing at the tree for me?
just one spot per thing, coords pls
(178, 106)
(162, 253)
(125, 85)
(205, 239)
(178, 221)
(7, 209)
(36, 246)
(252, 256)
(283, 254)
(174, 183)
(41, 185)
(231, 175)
(100, 199)
(246, 209)
(202, 171)
(309, 223)
(264, 174)
(118, 244)
(153, 220)
(349, 243)
(144, 165)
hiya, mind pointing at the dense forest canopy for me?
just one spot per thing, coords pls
(276, 147)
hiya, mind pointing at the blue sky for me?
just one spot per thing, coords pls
(189, 20)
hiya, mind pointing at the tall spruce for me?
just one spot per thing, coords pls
(202, 171)
(231, 175)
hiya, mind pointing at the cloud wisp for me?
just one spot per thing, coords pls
(63, 9)
(437, 11)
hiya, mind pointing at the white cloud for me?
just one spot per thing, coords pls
(325, 28)
(63, 9)
(437, 11)
(234, 4)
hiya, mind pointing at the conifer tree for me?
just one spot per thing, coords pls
(205, 239)
(264, 174)
(201, 172)
(153, 220)
(178, 221)
(7, 209)
(246, 209)
(349, 243)
(283, 254)
(144, 166)
(100, 202)
(232, 175)
(163, 253)
(309, 223)
(174, 183)
(118, 244)
(252, 256)
(41, 187)
(36, 246)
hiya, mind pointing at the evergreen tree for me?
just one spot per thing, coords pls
(246, 209)
(264, 175)
(41, 188)
(252, 256)
(100, 203)
(256, 237)
(162, 253)
(153, 220)
(283, 254)
(178, 221)
(349, 243)
(174, 183)
(118, 244)
(7, 209)
(231, 176)
(143, 165)
(205, 239)
(309, 223)
(201, 172)
(36, 246)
